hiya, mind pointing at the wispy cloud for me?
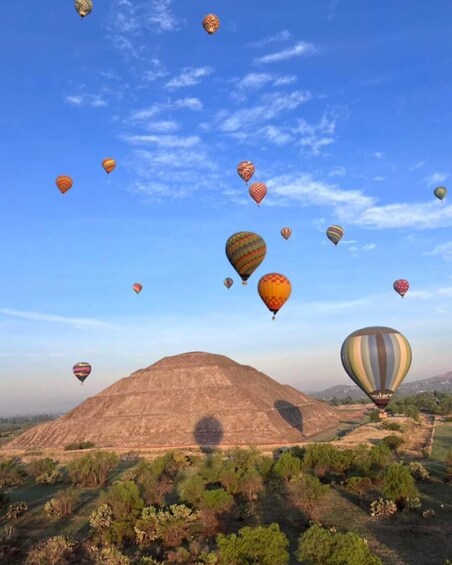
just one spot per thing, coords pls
(80, 323)
(378, 179)
(255, 81)
(162, 126)
(417, 166)
(313, 138)
(337, 172)
(93, 100)
(155, 109)
(435, 178)
(299, 49)
(417, 215)
(444, 250)
(189, 77)
(281, 36)
(163, 140)
(377, 154)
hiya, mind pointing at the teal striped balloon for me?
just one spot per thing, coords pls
(377, 359)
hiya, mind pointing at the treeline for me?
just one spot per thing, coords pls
(18, 422)
(205, 511)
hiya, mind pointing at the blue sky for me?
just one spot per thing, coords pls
(345, 113)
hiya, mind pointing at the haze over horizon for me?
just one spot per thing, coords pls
(344, 113)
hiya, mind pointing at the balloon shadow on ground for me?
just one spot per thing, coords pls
(208, 434)
(291, 414)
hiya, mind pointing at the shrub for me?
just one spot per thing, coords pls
(307, 492)
(418, 471)
(40, 466)
(102, 517)
(54, 551)
(428, 513)
(411, 504)
(92, 469)
(111, 556)
(393, 442)
(16, 509)
(172, 525)
(79, 445)
(393, 426)
(11, 473)
(323, 458)
(50, 478)
(382, 507)
(63, 503)
(398, 484)
(358, 485)
(287, 466)
(374, 416)
(448, 467)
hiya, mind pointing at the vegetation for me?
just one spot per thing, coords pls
(80, 445)
(92, 470)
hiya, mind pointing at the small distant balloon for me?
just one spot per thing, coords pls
(228, 282)
(335, 234)
(440, 192)
(81, 370)
(83, 7)
(286, 233)
(401, 286)
(246, 170)
(108, 164)
(64, 183)
(245, 251)
(274, 289)
(258, 191)
(211, 23)
(137, 287)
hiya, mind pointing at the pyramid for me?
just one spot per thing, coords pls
(189, 400)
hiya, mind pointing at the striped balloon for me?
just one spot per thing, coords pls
(440, 192)
(64, 183)
(108, 164)
(137, 287)
(274, 289)
(401, 286)
(245, 251)
(81, 370)
(83, 7)
(246, 170)
(334, 234)
(257, 191)
(228, 282)
(211, 23)
(286, 233)
(377, 359)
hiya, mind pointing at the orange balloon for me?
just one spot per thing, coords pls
(211, 23)
(286, 233)
(64, 183)
(274, 289)
(246, 170)
(258, 191)
(108, 164)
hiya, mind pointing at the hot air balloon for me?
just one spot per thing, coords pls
(81, 370)
(83, 7)
(211, 23)
(440, 192)
(257, 191)
(334, 234)
(228, 282)
(108, 164)
(274, 289)
(64, 183)
(245, 251)
(377, 359)
(137, 287)
(401, 286)
(246, 170)
(286, 233)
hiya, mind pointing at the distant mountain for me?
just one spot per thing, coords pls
(440, 383)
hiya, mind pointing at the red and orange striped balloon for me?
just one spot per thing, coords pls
(258, 191)
(108, 164)
(274, 289)
(64, 183)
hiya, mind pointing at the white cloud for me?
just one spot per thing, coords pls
(80, 323)
(418, 215)
(418, 165)
(152, 111)
(377, 154)
(162, 126)
(256, 81)
(444, 250)
(93, 100)
(189, 77)
(300, 48)
(162, 17)
(337, 172)
(435, 178)
(315, 137)
(281, 36)
(379, 179)
(369, 246)
(163, 140)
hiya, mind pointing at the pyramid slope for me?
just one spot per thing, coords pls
(184, 401)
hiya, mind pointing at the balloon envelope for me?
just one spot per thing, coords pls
(246, 170)
(211, 23)
(334, 234)
(81, 370)
(377, 359)
(440, 192)
(228, 282)
(137, 287)
(108, 164)
(83, 7)
(64, 183)
(245, 251)
(401, 286)
(258, 191)
(286, 233)
(274, 289)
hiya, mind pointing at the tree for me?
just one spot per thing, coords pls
(393, 441)
(172, 525)
(307, 492)
(318, 546)
(398, 483)
(92, 470)
(191, 489)
(287, 466)
(264, 545)
(63, 503)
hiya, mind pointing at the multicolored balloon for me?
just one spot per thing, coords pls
(64, 183)
(81, 370)
(83, 7)
(274, 289)
(211, 23)
(401, 286)
(258, 191)
(377, 359)
(246, 251)
(109, 164)
(286, 233)
(440, 192)
(335, 234)
(246, 170)
(137, 287)
(228, 282)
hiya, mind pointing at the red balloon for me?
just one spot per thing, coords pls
(401, 286)
(258, 191)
